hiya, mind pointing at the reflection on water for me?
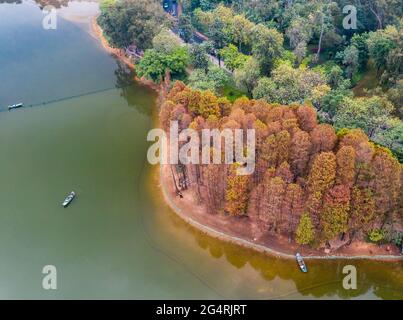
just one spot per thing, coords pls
(124, 81)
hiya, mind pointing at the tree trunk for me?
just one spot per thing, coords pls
(320, 38)
(377, 16)
(177, 191)
(198, 181)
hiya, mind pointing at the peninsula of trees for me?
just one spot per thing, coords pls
(311, 183)
(325, 101)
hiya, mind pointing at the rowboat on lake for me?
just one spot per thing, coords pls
(69, 199)
(301, 263)
(15, 106)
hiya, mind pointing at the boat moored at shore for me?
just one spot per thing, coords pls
(301, 262)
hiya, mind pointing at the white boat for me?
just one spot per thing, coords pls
(301, 262)
(15, 106)
(68, 199)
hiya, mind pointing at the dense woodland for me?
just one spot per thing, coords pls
(310, 183)
(325, 100)
(283, 51)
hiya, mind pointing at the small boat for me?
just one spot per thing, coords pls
(68, 199)
(301, 262)
(15, 106)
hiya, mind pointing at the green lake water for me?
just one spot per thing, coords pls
(86, 131)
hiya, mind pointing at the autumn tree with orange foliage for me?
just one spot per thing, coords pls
(237, 192)
(334, 216)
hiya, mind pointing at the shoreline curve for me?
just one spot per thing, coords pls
(98, 33)
(254, 246)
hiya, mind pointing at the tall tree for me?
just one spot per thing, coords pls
(307, 118)
(334, 218)
(299, 152)
(237, 193)
(362, 210)
(380, 43)
(233, 59)
(267, 45)
(215, 183)
(299, 34)
(242, 31)
(154, 65)
(247, 76)
(386, 184)
(289, 85)
(345, 158)
(320, 179)
(351, 60)
(305, 233)
(369, 114)
(198, 57)
(292, 207)
(273, 209)
(135, 22)
(323, 138)
(185, 27)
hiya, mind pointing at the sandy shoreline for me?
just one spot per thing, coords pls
(194, 220)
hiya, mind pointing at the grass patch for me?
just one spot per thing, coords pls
(366, 80)
(231, 91)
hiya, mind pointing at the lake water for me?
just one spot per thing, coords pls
(85, 130)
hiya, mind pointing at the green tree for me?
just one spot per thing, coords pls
(246, 77)
(379, 12)
(360, 42)
(376, 235)
(334, 99)
(233, 59)
(380, 43)
(369, 114)
(154, 64)
(391, 136)
(105, 5)
(267, 46)
(242, 31)
(166, 42)
(322, 20)
(128, 22)
(288, 85)
(299, 33)
(185, 27)
(351, 60)
(198, 57)
(305, 231)
(217, 34)
(214, 80)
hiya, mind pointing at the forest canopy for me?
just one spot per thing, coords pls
(283, 51)
(311, 183)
